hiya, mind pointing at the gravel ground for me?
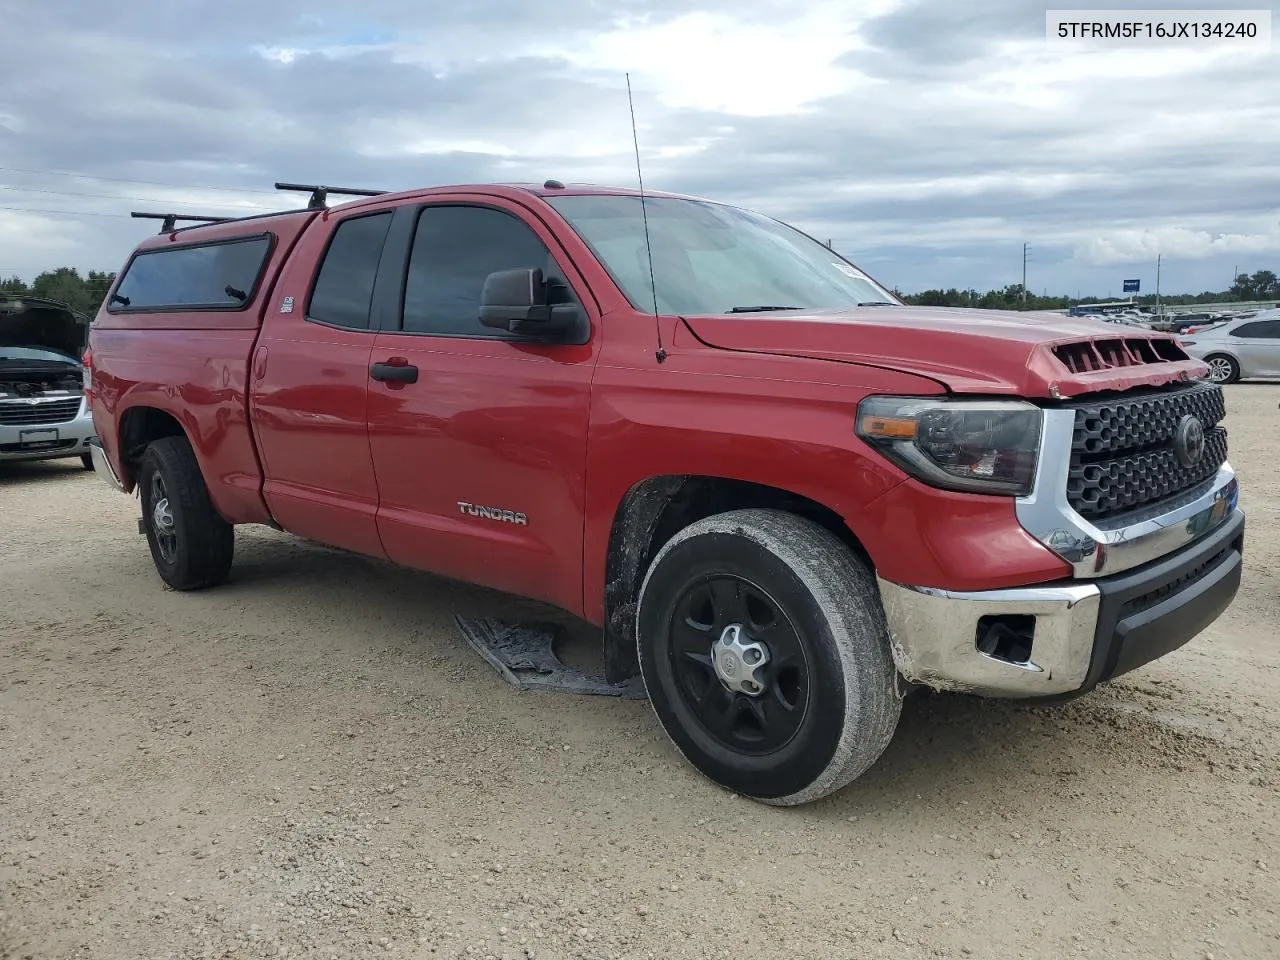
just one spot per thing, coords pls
(311, 762)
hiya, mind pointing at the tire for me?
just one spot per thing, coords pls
(1222, 368)
(191, 544)
(815, 608)
(87, 461)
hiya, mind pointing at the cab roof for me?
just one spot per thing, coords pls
(218, 228)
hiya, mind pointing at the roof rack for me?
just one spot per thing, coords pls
(320, 194)
(171, 219)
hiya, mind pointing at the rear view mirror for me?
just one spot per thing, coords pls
(518, 301)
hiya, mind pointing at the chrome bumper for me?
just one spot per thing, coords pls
(102, 466)
(1071, 636)
(935, 633)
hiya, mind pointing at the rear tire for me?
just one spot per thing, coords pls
(191, 544)
(825, 705)
(1222, 368)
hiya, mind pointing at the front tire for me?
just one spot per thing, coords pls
(191, 544)
(765, 654)
(87, 461)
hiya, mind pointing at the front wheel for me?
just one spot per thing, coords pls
(87, 461)
(191, 544)
(1223, 369)
(764, 651)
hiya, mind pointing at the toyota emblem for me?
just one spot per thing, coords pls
(1188, 441)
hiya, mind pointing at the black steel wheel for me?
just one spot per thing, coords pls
(764, 651)
(739, 663)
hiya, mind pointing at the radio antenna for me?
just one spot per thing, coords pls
(661, 353)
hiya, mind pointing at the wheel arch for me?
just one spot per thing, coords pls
(652, 512)
(141, 426)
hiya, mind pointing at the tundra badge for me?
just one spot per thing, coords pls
(493, 513)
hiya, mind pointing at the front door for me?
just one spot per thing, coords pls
(480, 460)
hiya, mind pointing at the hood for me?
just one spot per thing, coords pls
(1033, 355)
(33, 324)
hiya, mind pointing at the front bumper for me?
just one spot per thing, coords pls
(23, 442)
(1063, 639)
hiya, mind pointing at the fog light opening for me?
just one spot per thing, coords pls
(1008, 637)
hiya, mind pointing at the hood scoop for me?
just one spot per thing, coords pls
(1091, 356)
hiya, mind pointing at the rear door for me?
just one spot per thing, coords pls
(310, 385)
(480, 462)
(1257, 344)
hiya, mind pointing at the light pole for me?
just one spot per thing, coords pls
(1159, 312)
(1024, 274)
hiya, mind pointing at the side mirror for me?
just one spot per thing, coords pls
(517, 301)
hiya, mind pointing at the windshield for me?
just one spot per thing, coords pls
(713, 258)
(35, 353)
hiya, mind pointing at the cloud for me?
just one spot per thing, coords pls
(1176, 243)
(931, 140)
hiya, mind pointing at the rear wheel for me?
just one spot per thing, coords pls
(1222, 369)
(764, 651)
(191, 544)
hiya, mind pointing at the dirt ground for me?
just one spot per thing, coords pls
(311, 762)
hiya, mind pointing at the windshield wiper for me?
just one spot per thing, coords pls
(762, 309)
(877, 303)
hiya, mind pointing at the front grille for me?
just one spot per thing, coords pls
(23, 414)
(1149, 599)
(1122, 449)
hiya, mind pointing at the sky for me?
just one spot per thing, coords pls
(928, 140)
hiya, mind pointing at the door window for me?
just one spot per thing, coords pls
(1258, 330)
(454, 249)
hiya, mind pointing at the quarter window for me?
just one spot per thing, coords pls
(344, 285)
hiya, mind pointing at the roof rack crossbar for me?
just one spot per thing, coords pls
(171, 219)
(320, 194)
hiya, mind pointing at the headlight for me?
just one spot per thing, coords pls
(978, 446)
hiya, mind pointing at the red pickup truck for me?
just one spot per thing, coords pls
(785, 497)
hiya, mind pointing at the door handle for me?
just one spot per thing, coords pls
(395, 370)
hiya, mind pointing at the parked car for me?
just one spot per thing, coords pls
(1238, 349)
(783, 496)
(42, 411)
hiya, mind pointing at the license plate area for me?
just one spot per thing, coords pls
(38, 439)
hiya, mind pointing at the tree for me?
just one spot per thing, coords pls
(64, 284)
(1265, 285)
(96, 287)
(1243, 288)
